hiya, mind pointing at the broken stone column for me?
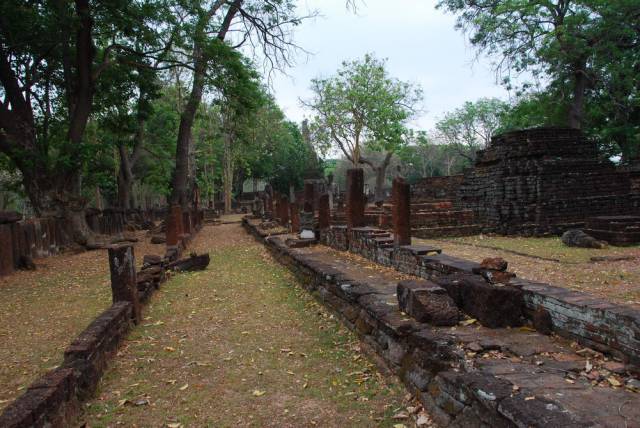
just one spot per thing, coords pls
(284, 210)
(401, 211)
(324, 213)
(355, 198)
(309, 196)
(427, 302)
(123, 277)
(173, 226)
(295, 217)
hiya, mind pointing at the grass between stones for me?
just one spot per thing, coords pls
(241, 344)
(42, 311)
(612, 280)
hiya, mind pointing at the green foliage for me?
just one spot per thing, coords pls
(362, 106)
(471, 127)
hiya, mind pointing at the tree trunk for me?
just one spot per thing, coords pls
(180, 182)
(227, 174)
(576, 108)
(381, 171)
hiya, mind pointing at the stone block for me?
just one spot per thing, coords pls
(494, 306)
(427, 302)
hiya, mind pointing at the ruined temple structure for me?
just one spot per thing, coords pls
(546, 180)
(532, 182)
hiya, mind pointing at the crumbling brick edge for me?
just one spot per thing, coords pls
(428, 362)
(54, 400)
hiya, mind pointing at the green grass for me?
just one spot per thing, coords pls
(548, 248)
(243, 325)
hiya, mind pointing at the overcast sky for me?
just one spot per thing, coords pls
(418, 41)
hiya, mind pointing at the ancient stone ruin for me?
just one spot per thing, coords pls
(535, 181)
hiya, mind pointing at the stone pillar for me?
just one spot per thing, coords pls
(276, 206)
(309, 196)
(401, 211)
(123, 277)
(324, 213)
(6, 250)
(295, 217)
(284, 210)
(173, 226)
(355, 197)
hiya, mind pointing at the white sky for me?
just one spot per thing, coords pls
(418, 41)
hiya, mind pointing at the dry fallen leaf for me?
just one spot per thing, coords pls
(613, 381)
(258, 393)
(169, 349)
(183, 387)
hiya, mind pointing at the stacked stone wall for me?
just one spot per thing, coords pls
(545, 180)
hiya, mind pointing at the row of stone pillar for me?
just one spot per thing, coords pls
(289, 212)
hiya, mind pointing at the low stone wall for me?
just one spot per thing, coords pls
(43, 237)
(54, 399)
(436, 188)
(607, 327)
(465, 376)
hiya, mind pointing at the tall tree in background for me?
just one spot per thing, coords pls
(264, 25)
(362, 106)
(53, 60)
(576, 44)
(470, 127)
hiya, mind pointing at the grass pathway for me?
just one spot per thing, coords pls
(241, 344)
(42, 311)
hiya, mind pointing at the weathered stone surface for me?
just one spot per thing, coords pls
(295, 217)
(427, 302)
(542, 320)
(309, 196)
(577, 238)
(527, 388)
(493, 306)
(355, 198)
(122, 266)
(151, 260)
(494, 263)
(192, 263)
(159, 239)
(324, 213)
(401, 193)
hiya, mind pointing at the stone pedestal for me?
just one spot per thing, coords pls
(306, 225)
(401, 192)
(284, 210)
(123, 277)
(309, 196)
(324, 213)
(355, 198)
(295, 217)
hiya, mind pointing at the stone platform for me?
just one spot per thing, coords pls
(467, 375)
(618, 230)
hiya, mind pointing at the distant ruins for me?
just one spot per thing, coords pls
(539, 181)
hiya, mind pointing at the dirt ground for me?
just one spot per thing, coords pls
(548, 260)
(242, 344)
(42, 311)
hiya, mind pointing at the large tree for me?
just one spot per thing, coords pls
(212, 29)
(470, 127)
(362, 106)
(574, 44)
(54, 59)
